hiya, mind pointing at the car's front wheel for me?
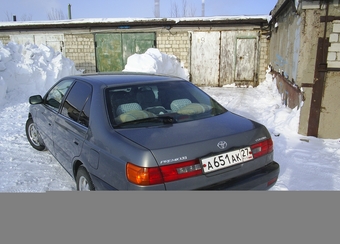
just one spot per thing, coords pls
(83, 180)
(33, 135)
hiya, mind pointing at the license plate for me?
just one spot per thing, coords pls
(225, 160)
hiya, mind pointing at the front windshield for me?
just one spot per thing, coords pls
(154, 103)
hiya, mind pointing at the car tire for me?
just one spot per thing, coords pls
(83, 180)
(33, 136)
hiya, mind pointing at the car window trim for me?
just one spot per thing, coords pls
(74, 122)
(63, 100)
(88, 98)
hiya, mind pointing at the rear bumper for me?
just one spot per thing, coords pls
(101, 185)
(260, 179)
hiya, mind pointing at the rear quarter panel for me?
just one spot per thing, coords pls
(105, 152)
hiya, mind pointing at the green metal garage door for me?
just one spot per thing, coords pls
(113, 49)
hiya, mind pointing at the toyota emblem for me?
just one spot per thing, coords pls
(222, 145)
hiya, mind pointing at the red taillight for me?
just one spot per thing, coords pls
(181, 170)
(262, 148)
(157, 175)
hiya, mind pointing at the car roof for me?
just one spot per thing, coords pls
(119, 78)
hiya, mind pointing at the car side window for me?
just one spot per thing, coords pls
(55, 96)
(77, 103)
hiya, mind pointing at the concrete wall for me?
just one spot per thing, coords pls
(330, 116)
(286, 50)
(310, 32)
(285, 43)
(293, 48)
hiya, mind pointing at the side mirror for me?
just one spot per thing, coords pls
(37, 99)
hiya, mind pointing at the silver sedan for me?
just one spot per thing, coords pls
(133, 131)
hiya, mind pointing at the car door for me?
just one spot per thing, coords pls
(71, 124)
(47, 112)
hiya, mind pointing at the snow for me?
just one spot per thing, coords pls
(132, 20)
(153, 61)
(307, 163)
(29, 69)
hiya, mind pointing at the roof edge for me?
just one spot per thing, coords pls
(119, 22)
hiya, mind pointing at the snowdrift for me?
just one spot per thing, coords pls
(153, 61)
(29, 69)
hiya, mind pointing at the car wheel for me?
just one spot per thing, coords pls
(83, 180)
(33, 135)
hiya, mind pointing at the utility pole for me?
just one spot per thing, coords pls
(69, 12)
(203, 7)
(157, 9)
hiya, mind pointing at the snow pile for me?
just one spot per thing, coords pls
(265, 103)
(153, 61)
(3, 89)
(284, 118)
(29, 69)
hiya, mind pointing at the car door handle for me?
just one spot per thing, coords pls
(76, 142)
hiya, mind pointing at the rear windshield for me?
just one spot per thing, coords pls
(159, 103)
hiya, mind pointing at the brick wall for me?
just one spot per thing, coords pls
(81, 49)
(177, 43)
(333, 57)
(5, 39)
(263, 63)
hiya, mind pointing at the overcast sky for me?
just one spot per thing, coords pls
(38, 10)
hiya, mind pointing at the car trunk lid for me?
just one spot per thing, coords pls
(179, 142)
